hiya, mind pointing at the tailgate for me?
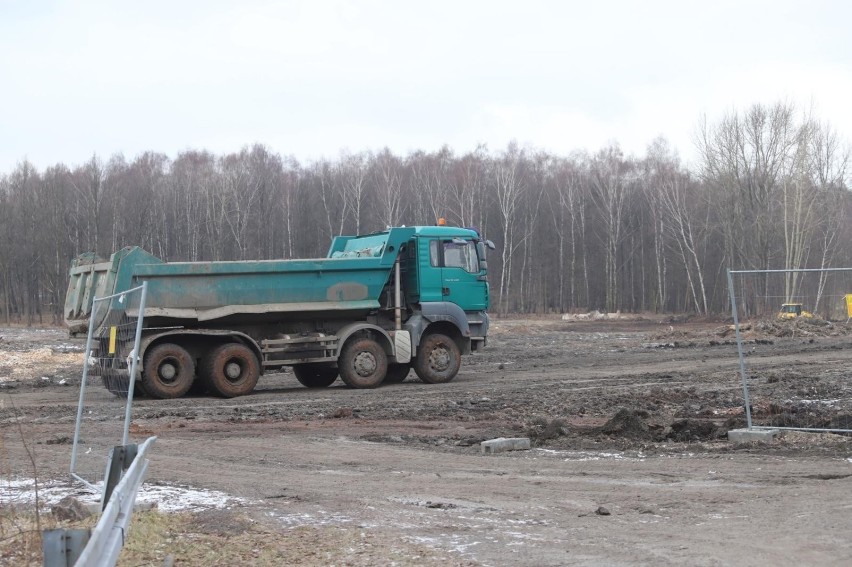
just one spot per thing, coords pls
(89, 277)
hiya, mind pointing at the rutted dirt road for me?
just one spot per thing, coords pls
(403, 463)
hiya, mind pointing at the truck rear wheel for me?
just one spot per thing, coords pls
(362, 363)
(168, 371)
(316, 375)
(231, 370)
(397, 373)
(438, 359)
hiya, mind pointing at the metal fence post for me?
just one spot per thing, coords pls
(62, 547)
(86, 356)
(739, 348)
(120, 459)
(133, 365)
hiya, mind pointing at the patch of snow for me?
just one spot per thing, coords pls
(167, 498)
(814, 402)
(321, 518)
(591, 455)
(171, 498)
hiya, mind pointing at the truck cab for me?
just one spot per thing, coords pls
(447, 280)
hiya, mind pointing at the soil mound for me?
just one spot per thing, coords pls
(672, 334)
(628, 423)
(801, 327)
(692, 430)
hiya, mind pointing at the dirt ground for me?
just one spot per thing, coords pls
(630, 463)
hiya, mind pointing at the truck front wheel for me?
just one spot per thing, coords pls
(231, 370)
(438, 359)
(316, 375)
(168, 371)
(362, 363)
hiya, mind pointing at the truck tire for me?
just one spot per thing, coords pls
(362, 363)
(316, 375)
(438, 359)
(168, 371)
(118, 383)
(397, 373)
(230, 370)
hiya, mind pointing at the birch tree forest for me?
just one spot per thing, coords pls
(576, 232)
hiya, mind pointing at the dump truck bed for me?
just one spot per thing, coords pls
(349, 280)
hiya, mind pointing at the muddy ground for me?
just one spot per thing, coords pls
(630, 464)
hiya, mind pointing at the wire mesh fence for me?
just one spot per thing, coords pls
(108, 385)
(776, 309)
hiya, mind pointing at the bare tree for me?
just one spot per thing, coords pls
(352, 183)
(332, 199)
(182, 212)
(538, 169)
(430, 184)
(675, 197)
(87, 181)
(829, 167)
(466, 189)
(387, 173)
(657, 164)
(609, 192)
(510, 182)
(799, 208)
(287, 190)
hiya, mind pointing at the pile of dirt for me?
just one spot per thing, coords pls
(693, 430)
(628, 423)
(672, 334)
(759, 331)
(637, 425)
(800, 327)
(542, 429)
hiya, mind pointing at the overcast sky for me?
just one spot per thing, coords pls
(313, 78)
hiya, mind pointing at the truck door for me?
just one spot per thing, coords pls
(429, 262)
(463, 277)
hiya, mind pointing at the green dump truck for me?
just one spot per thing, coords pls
(377, 306)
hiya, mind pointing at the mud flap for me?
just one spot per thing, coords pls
(402, 346)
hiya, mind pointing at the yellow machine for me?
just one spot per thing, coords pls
(793, 311)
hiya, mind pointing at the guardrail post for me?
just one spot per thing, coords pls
(109, 535)
(63, 547)
(120, 459)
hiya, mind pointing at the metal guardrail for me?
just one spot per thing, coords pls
(107, 538)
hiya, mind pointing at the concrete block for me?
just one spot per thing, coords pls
(751, 435)
(502, 444)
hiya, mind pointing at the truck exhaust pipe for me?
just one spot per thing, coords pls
(397, 300)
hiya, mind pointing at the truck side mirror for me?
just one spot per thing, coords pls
(490, 245)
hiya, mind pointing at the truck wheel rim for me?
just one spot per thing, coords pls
(233, 370)
(168, 371)
(439, 359)
(365, 364)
